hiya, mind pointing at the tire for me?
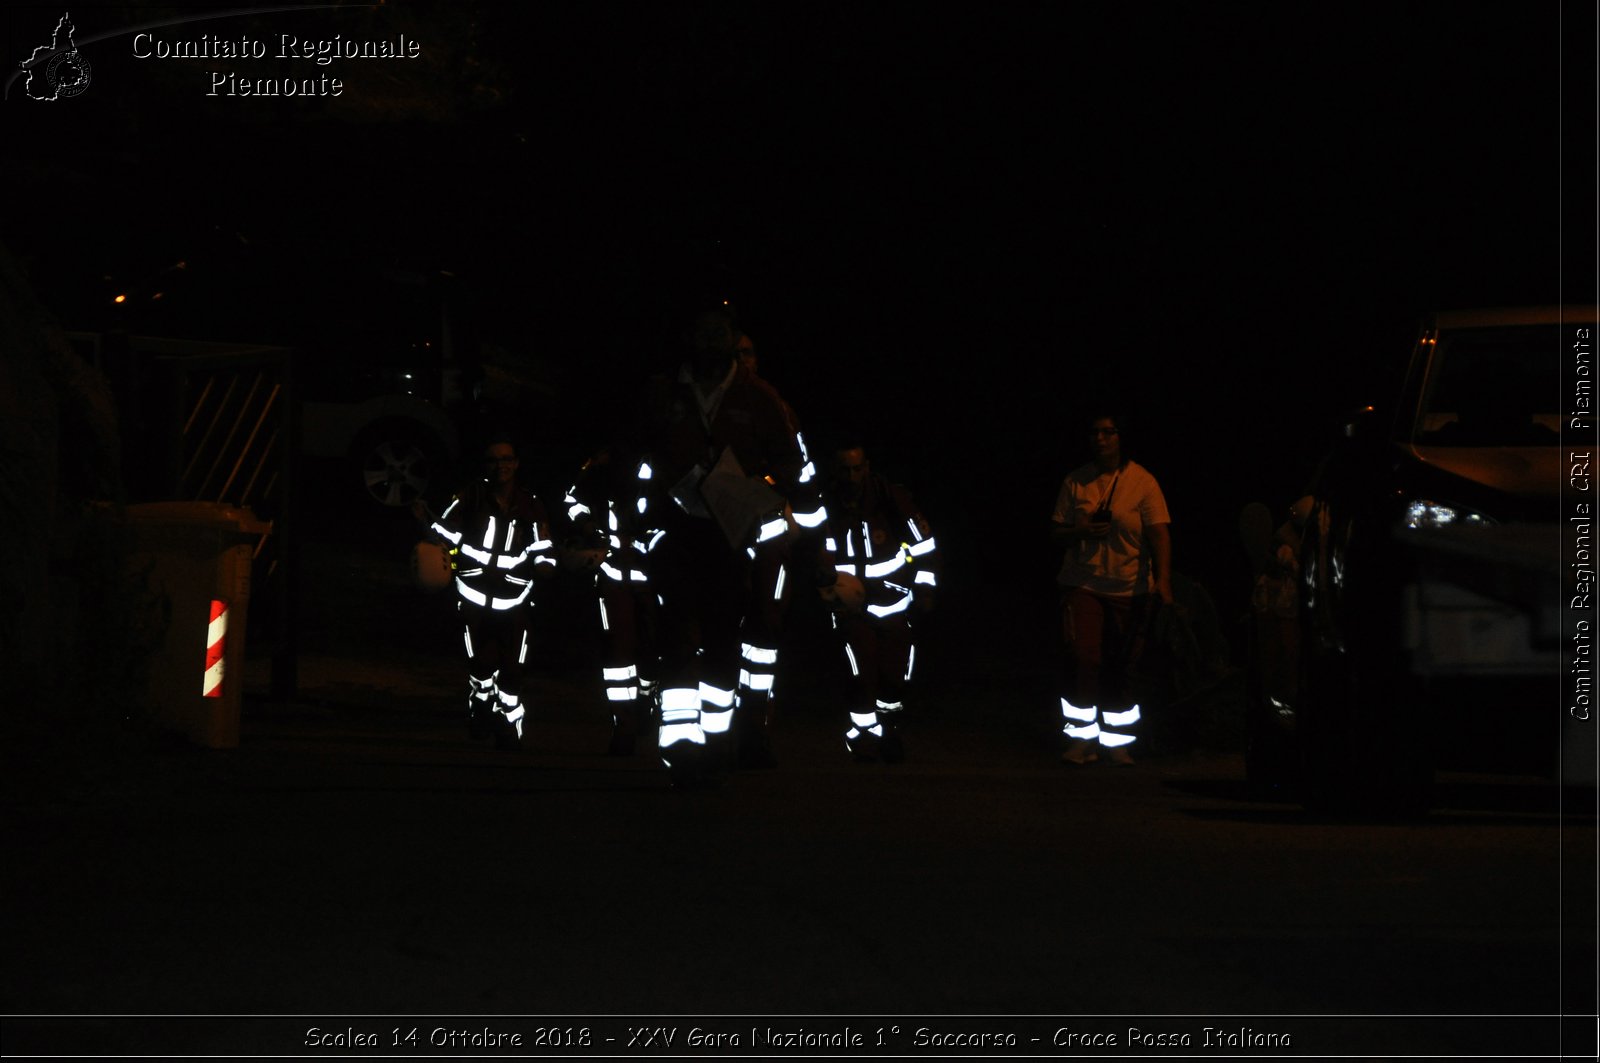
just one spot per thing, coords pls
(1270, 757)
(1364, 745)
(1363, 740)
(396, 463)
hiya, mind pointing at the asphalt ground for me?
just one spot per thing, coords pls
(358, 854)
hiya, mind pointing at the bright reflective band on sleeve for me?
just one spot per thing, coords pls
(480, 556)
(605, 618)
(655, 540)
(621, 693)
(488, 535)
(578, 510)
(890, 706)
(1087, 731)
(851, 655)
(617, 675)
(511, 532)
(611, 518)
(644, 504)
(612, 573)
(1112, 741)
(927, 579)
(850, 569)
(800, 440)
(522, 654)
(885, 568)
(511, 603)
(474, 596)
(772, 529)
(911, 661)
(645, 471)
(815, 519)
(777, 592)
(637, 576)
(451, 508)
(832, 547)
(916, 532)
(509, 560)
(453, 537)
(216, 649)
(889, 610)
(924, 547)
(807, 473)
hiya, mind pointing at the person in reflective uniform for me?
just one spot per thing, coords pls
(603, 537)
(770, 588)
(719, 489)
(1111, 518)
(499, 539)
(878, 536)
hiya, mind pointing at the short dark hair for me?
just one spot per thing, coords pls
(495, 436)
(1107, 413)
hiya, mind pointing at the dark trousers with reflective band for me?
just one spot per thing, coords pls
(702, 587)
(626, 617)
(761, 631)
(879, 651)
(497, 646)
(1104, 638)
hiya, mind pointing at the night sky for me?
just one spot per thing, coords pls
(955, 230)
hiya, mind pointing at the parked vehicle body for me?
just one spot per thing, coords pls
(1417, 607)
(386, 353)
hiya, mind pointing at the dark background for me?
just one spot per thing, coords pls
(953, 230)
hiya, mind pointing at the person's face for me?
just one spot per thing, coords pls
(1105, 440)
(745, 351)
(711, 337)
(850, 471)
(500, 464)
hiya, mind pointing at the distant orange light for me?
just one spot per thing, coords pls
(120, 299)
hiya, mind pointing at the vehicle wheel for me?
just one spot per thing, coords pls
(1270, 757)
(1363, 740)
(396, 464)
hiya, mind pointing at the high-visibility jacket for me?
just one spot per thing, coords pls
(753, 425)
(497, 553)
(599, 511)
(885, 542)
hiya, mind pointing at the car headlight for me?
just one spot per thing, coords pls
(1423, 513)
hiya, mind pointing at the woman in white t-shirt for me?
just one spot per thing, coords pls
(1112, 521)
